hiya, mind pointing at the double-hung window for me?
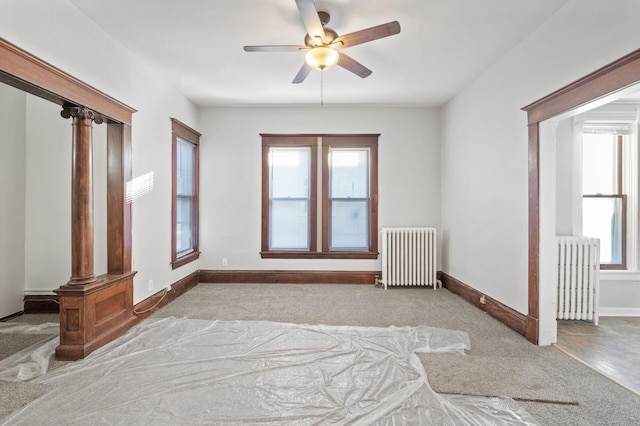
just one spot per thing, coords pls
(604, 202)
(291, 206)
(319, 196)
(184, 212)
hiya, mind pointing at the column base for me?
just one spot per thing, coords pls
(82, 280)
(94, 314)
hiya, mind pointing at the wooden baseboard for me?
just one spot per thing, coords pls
(41, 304)
(515, 320)
(508, 316)
(154, 302)
(288, 277)
(94, 314)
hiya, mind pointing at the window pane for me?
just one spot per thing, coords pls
(349, 173)
(599, 164)
(184, 159)
(289, 199)
(602, 218)
(289, 225)
(184, 194)
(290, 172)
(349, 225)
(183, 225)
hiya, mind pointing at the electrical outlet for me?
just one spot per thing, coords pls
(225, 262)
(483, 300)
(168, 287)
(150, 285)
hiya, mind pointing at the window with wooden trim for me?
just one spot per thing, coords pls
(184, 194)
(319, 196)
(604, 202)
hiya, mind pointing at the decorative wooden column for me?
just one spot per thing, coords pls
(93, 310)
(82, 233)
(96, 310)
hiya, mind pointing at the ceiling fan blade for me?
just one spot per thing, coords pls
(309, 15)
(302, 74)
(354, 66)
(373, 33)
(275, 48)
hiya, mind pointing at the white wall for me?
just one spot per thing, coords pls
(58, 33)
(12, 194)
(619, 295)
(484, 144)
(48, 197)
(569, 181)
(231, 164)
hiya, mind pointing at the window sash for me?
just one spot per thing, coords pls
(185, 183)
(184, 199)
(184, 225)
(289, 227)
(609, 224)
(349, 177)
(602, 164)
(349, 234)
(367, 243)
(289, 212)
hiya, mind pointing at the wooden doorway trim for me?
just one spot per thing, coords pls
(90, 315)
(600, 85)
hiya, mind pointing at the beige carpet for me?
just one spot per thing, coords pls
(500, 361)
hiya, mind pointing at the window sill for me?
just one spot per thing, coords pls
(318, 255)
(609, 275)
(183, 260)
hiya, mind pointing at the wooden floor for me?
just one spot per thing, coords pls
(613, 347)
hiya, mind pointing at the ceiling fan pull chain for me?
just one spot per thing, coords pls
(322, 87)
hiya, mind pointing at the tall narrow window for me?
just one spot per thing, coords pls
(291, 202)
(184, 241)
(604, 203)
(289, 198)
(289, 165)
(348, 198)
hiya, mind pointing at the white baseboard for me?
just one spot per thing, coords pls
(618, 312)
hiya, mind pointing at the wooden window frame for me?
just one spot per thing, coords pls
(310, 141)
(623, 197)
(351, 141)
(276, 140)
(185, 133)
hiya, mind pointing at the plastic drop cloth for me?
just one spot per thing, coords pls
(180, 371)
(32, 361)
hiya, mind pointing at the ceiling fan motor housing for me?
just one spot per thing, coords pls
(329, 36)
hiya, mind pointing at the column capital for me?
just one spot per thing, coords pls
(81, 112)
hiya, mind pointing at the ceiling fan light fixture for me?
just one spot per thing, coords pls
(321, 57)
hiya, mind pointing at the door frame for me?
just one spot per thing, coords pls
(600, 86)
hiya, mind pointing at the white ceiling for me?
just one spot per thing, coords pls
(198, 46)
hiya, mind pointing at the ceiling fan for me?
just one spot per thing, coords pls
(322, 43)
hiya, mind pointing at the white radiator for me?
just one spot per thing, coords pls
(409, 257)
(578, 278)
